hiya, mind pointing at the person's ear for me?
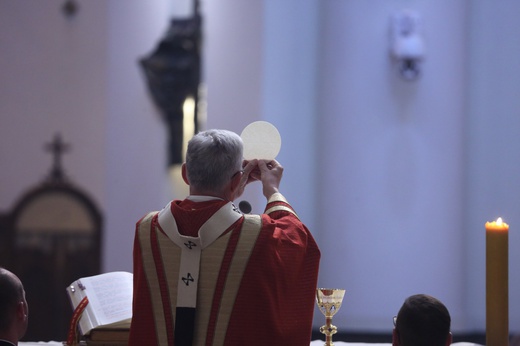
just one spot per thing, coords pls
(395, 338)
(235, 187)
(21, 311)
(449, 340)
(184, 174)
(22, 318)
(235, 182)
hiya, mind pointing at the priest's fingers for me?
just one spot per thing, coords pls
(269, 165)
(251, 172)
(271, 174)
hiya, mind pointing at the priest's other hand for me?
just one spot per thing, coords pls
(270, 174)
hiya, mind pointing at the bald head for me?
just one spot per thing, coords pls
(13, 307)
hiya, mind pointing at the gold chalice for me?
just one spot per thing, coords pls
(329, 301)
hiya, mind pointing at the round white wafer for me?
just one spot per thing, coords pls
(261, 141)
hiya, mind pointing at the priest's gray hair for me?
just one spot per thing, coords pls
(212, 158)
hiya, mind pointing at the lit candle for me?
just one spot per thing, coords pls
(497, 313)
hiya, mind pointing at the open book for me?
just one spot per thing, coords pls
(109, 307)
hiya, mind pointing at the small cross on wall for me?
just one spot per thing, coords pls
(57, 147)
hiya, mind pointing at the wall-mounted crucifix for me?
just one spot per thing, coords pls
(173, 76)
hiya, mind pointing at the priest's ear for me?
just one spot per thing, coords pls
(184, 174)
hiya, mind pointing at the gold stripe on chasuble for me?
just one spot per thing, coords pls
(277, 197)
(250, 231)
(152, 279)
(281, 208)
(170, 255)
(210, 262)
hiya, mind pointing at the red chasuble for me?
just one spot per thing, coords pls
(206, 275)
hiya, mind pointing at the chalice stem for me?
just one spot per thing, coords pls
(328, 329)
(328, 336)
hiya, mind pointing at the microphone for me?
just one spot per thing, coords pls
(245, 207)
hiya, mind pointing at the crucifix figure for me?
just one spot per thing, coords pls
(57, 147)
(173, 74)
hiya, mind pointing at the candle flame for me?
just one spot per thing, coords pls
(499, 221)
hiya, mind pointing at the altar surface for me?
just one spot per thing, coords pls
(342, 343)
(313, 343)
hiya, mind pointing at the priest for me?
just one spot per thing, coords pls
(206, 274)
